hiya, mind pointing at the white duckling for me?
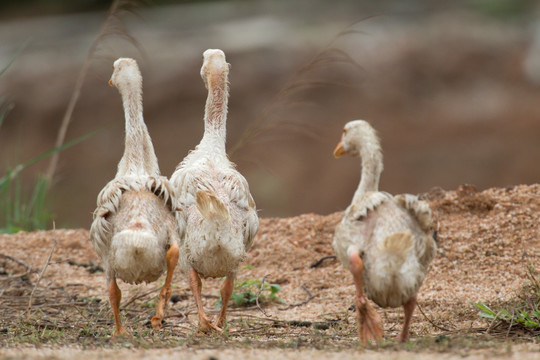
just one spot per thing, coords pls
(134, 229)
(385, 241)
(217, 219)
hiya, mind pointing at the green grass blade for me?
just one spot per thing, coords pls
(46, 154)
(485, 311)
(19, 51)
(5, 108)
(16, 205)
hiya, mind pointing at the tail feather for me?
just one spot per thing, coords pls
(210, 206)
(399, 245)
(128, 245)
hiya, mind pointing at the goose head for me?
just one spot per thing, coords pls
(358, 139)
(126, 74)
(215, 67)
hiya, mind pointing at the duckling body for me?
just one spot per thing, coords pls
(220, 216)
(393, 246)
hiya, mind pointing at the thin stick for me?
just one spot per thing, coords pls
(16, 261)
(40, 277)
(259, 294)
(257, 317)
(136, 297)
(511, 323)
(491, 327)
(65, 304)
(113, 13)
(320, 261)
(311, 296)
(328, 54)
(428, 319)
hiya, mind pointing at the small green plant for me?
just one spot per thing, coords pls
(523, 311)
(23, 211)
(245, 293)
(20, 210)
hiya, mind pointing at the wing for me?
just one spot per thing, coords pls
(239, 196)
(359, 210)
(418, 209)
(108, 203)
(186, 181)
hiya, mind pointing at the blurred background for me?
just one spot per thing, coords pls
(453, 89)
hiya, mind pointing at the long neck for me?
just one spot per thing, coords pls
(139, 157)
(215, 114)
(372, 166)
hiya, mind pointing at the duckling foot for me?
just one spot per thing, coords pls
(121, 333)
(366, 317)
(408, 308)
(156, 323)
(369, 321)
(226, 291)
(165, 293)
(206, 326)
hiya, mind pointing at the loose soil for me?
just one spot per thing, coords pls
(486, 242)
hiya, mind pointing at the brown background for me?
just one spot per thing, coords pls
(445, 87)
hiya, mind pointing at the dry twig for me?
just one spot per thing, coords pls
(17, 261)
(111, 27)
(328, 56)
(320, 261)
(40, 277)
(511, 323)
(431, 322)
(136, 297)
(259, 294)
(311, 296)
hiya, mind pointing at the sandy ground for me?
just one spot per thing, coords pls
(486, 241)
(525, 352)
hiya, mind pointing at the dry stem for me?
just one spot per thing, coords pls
(39, 279)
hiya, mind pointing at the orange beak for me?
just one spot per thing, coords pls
(339, 151)
(110, 83)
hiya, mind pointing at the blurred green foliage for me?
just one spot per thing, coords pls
(503, 8)
(22, 8)
(21, 209)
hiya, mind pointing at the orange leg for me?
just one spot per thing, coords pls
(366, 317)
(115, 295)
(408, 308)
(226, 291)
(196, 285)
(165, 293)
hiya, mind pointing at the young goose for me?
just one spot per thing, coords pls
(134, 228)
(385, 241)
(217, 219)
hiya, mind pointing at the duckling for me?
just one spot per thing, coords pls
(218, 219)
(385, 241)
(134, 230)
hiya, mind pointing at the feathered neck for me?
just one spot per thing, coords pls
(139, 157)
(215, 112)
(372, 167)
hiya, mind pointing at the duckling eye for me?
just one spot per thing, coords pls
(344, 131)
